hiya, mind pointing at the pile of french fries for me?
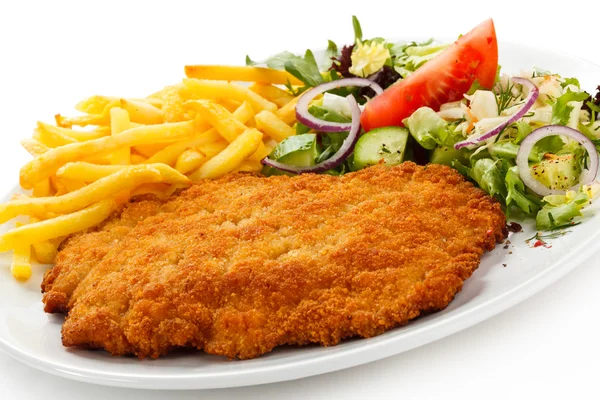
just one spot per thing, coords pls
(86, 166)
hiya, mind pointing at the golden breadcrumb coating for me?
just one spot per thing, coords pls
(239, 265)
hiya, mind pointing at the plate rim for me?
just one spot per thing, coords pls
(370, 351)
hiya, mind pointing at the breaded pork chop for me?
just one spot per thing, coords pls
(242, 264)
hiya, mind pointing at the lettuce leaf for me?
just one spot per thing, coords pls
(559, 211)
(561, 110)
(429, 129)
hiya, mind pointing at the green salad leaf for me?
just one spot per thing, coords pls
(357, 29)
(429, 129)
(561, 110)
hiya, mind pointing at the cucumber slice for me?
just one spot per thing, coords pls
(299, 150)
(445, 155)
(383, 144)
(559, 172)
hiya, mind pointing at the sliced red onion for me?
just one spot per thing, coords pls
(336, 159)
(587, 176)
(303, 116)
(529, 101)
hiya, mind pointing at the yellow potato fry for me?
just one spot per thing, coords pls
(189, 160)
(230, 105)
(122, 180)
(173, 98)
(169, 154)
(52, 138)
(79, 136)
(160, 190)
(214, 90)
(221, 119)
(119, 122)
(260, 153)
(244, 112)
(246, 74)
(21, 262)
(97, 104)
(87, 172)
(142, 112)
(274, 127)
(45, 252)
(230, 158)
(60, 226)
(212, 149)
(137, 158)
(34, 147)
(148, 150)
(82, 120)
(48, 163)
(249, 166)
(287, 113)
(42, 189)
(272, 93)
(66, 185)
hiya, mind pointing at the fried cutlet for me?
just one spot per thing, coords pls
(242, 264)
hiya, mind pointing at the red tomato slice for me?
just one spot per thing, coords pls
(443, 79)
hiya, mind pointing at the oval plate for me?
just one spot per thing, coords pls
(505, 277)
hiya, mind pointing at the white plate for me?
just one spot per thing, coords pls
(33, 337)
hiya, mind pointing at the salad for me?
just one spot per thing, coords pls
(530, 140)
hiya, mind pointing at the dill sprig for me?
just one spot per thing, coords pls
(505, 97)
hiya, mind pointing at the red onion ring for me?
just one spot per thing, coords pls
(587, 176)
(336, 159)
(303, 116)
(529, 101)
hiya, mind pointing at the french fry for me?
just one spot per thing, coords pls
(287, 113)
(65, 185)
(173, 98)
(60, 226)
(260, 153)
(274, 127)
(82, 120)
(137, 159)
(193, 158)
(214, 90)
(42, 189)
(119, 122)
(169, 154)
(21, 262)
(87, 172)
(79, 136)
(272, 93)
(160, 190)
(97, 104)
(44, 252)
(244, 112)
(148, 150)
(52, 138)
(34, 147)
(122, 180)
(212, 149)
(189, 160)
(246, 74)
(249, 166)
(230, 105)
(230, 158)
(48, 163)
(142, 112)
(221, 119)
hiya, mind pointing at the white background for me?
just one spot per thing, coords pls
(53, 54)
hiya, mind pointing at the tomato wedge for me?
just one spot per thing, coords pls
(445, 78)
